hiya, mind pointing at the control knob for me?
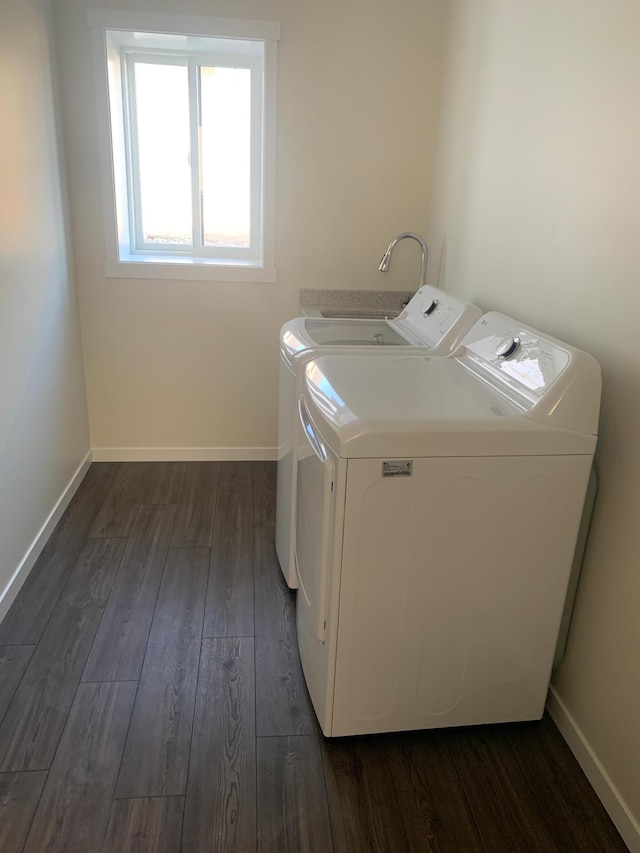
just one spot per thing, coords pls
(508, 348)
(431, 308)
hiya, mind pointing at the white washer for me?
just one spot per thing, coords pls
(439, 501)
(433, 320)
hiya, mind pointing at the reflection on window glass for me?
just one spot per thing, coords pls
(225, 152)
(162, 109)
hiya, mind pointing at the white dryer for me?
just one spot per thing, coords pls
(433, 320)
(439, 501)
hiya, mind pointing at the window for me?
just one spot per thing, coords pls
(186, 116)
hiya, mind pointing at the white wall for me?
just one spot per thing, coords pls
(43, 417)
(536, 213)
(194, 364)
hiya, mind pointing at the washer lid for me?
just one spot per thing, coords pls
(303, 334)
(408, 405)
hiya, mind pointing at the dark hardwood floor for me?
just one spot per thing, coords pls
(152, 700)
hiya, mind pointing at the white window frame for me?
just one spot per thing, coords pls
(126, 255)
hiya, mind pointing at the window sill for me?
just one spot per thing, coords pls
(188, 269)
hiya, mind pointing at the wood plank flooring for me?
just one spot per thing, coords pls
(152, 700)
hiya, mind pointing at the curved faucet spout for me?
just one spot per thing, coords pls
(385, 263)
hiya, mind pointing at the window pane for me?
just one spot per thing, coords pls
(162, 104)
(225, 107)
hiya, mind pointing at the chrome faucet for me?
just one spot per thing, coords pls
(385, 263)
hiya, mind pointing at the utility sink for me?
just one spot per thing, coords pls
(357, 314)
(353, 304)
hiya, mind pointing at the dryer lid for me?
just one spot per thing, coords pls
(408, 405)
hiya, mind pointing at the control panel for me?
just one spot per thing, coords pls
(516, 355)
(431, 313)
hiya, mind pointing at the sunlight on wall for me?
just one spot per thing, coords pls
(15, 201)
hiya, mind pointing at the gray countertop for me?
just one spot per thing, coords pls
(352, 303)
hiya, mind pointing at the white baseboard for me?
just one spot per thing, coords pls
(35, 549)
(609, 795)
(185, 454)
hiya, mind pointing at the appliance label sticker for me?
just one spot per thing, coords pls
(398, 468)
